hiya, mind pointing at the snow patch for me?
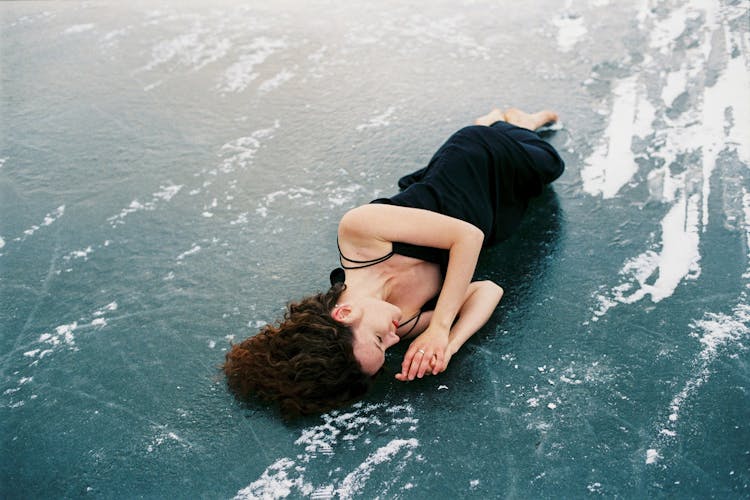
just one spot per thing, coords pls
(78, 28)
(570, 31)
(338, 433)
(238, 76)
(194, 250)
(612, 164)
(273, 83)
(377, 121)
(164, 194)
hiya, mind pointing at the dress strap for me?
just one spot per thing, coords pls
(413, 318)
(361, 263)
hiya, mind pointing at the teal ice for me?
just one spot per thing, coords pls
(172, 173)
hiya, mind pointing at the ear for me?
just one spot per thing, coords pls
(342, 313)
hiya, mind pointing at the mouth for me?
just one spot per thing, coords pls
(395, 323)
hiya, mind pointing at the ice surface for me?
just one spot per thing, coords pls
(171, 174)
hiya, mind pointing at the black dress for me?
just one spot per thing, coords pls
(482, 175)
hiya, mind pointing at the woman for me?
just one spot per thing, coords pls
(407, 266)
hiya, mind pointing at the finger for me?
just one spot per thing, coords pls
(406, 363)
(439, 361)
(445, 365)
(413, 355)
(424, 365)
(415, 363)
(401, 377)
(436, 368)
(439, 367)
(412, 373)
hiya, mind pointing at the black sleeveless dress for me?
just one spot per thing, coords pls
(482, 175)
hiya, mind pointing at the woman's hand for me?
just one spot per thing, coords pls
(481, 299)
(434, 369)
(426, 354)
(449, 352)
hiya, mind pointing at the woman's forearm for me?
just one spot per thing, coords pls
(476, 310)
(461, 264)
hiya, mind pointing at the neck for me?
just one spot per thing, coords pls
(366, 283)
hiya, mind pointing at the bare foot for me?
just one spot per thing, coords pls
(531, 121)
(493, 116)
(515, 116)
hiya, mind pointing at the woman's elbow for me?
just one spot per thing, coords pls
(477, 234)
(491, 289)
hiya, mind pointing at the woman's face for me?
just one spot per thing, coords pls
(374, 323)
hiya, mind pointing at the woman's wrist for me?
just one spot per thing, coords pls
(452, 348)
(442, 325)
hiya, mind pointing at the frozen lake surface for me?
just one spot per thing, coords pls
(171, 174)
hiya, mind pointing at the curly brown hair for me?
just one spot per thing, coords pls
(306, 364)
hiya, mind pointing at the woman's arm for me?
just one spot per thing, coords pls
(368, 230)
(481, 302)
(482, 298)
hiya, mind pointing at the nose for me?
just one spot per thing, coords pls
(392, 339)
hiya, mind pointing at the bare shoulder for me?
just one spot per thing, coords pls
(369, 220)
(364, 213)
(358, 235)
(356, 217)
